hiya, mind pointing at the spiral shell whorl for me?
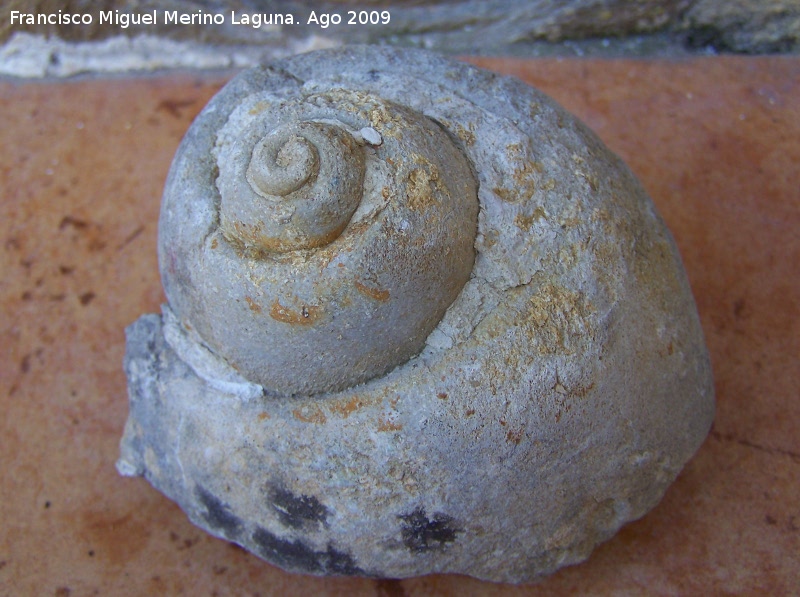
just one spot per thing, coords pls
(304, 182)
(344, 229)
(282, 163)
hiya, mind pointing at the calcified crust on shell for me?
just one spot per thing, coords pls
(420, 320)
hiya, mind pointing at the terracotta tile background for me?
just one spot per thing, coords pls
(715, 141)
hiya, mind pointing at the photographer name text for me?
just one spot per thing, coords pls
(124, 20)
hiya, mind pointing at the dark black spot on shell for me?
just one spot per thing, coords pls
(294, 511)
(218, 515)
(296, 555)
(422, 534)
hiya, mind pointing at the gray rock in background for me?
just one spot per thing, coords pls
(496, 27)
(476, 23)
(746, 26)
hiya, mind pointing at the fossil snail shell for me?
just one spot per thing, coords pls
(420, 320)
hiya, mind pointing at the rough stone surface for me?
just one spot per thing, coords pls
(498, 21)
(33, 56)
(493, 27)
(559, 396)
(748, 26)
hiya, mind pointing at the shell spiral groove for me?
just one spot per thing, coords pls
(282, 163)
(305, 182)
